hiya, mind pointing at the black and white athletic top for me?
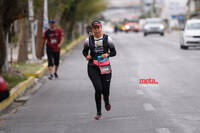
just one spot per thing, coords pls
(98, 47)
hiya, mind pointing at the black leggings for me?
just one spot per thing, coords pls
(53, 57)
(101, 84)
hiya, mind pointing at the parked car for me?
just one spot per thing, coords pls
(190, 37)
(154, 26)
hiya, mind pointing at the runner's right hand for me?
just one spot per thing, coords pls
(88, 57)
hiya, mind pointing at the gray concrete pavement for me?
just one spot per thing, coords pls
(66, 105)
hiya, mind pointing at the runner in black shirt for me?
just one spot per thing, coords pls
(97, 50)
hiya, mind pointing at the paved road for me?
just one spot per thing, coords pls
(67, 105)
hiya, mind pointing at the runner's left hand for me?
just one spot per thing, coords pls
(104, 55)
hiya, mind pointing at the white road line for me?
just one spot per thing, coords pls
(139, 92)
(163, 130)
(121, 118)
(148, 107)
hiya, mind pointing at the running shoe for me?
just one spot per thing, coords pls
(97, 117)
(56, 75)
(50, 77)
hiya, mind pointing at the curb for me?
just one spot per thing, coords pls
(21, 87)
(39, 73)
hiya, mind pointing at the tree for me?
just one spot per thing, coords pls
(69, 16)
(2, 44)
(10, 10)
(70, 12)
(23, 41)
(89, 9)
(40, 30)
(81, 10)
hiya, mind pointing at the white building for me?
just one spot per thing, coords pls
(174, 7)
(174, 10)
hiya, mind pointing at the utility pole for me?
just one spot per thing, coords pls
(31, 19)
(154, 13)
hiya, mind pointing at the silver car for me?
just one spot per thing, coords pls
(190, 37)
(154, 26)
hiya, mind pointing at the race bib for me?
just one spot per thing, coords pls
(53, 41)
(105, 69)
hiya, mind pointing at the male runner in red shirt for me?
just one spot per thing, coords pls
(53, 38)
